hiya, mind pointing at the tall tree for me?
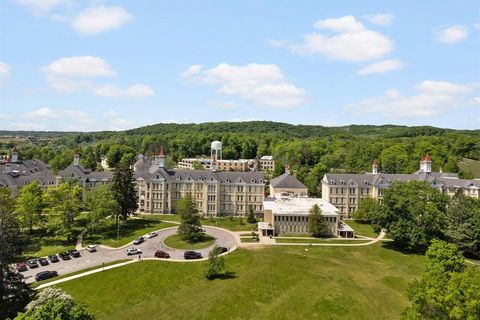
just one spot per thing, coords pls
(190, 228)
(54, 304)
(413, 214)
(365, 208)
(124, 193)
(448, 288)
(216, 264)
(100, 203)
(62, 205)
(14, 292)
(29, 205)
(316, 222)
(251, 215)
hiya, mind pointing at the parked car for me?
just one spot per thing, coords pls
(162, 254)
(45, 275)
(220, 250)
(21, 266)
(64, 256)
(32, 263)
(53, 258)
(74, 253)
(132, 251)
(192, 255)
(91, 248)
(152, 234)
(43, 262)
(139, 241)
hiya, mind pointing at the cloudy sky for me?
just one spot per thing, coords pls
(93, 65)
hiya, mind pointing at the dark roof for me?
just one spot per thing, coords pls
(81, 173)
(23, 172)
(287, 181)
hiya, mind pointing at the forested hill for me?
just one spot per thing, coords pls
(297, 131)
(309, 150)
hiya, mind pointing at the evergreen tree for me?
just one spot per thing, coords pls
(190, 228)
(124, 193)
(215, 266)
(251, 216)
(14, 292)
(29, 205)
(316, 222)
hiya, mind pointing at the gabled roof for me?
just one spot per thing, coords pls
(287, 181)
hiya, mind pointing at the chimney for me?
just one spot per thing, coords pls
(287, 169)
(160, 158)
(76, 158)
(374, 167)
(14, 155)
(426, 164)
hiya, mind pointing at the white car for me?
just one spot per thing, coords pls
(91, 248)
(132, 251)
(152, 234)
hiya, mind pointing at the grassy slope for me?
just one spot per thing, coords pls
(362, 229)
(326, 241)
(270, 283)
(134, 228)
(234, 224)
(174, 241)
(470, 165)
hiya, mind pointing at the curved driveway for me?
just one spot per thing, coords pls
(223, 238)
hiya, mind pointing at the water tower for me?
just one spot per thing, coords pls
(216, 150)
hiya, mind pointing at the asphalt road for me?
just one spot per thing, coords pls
(87, 259)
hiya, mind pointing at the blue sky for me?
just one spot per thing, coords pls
(93, 65)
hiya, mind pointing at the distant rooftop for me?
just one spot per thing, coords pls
(287, 181)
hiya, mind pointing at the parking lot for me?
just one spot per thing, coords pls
(87, 259)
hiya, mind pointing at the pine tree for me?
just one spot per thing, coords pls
(190, 228)
(251, 216)
(124, 193)
(316, 222)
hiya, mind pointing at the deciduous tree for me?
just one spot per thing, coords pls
(29, 205)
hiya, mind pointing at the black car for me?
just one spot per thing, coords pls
(43, 262)
(32, 264)
(220, 250)
(64, 256)
(53, 258)
(138, 240)
(192, 255)
(45, 275)
(74, 253)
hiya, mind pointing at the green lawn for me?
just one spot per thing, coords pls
(35, 284)
(248, 240)
(318, 241)
(265, 283)
(133, 228)
(174, 241)
(232, 224)
(470, 166)
(41, 244)
(362, 229)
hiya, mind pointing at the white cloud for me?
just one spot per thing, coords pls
(263, 84)
(433, 98)
(100, 18)
(380, 19)
(73, 74)
(79, 66)
(345, 39)
(40, 6)
(476, 25)
(110, 113)
(226, 105)
(475, 100)
(381, 67)
(4, 71)
(192, 70)
(28, 126)
(452, 34)
(42, 114)
(75, 116)
(5, 116)
(120, 124)
(134, 91)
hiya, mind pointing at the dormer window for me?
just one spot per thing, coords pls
(158, 177)
(227, 180)
(179, 178)
(253, 180)
(260, 181)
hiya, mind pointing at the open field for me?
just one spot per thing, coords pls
(177, 243)
(362, 229)
(470, 166)
(232, 224)
(133, 228)
(268, 283)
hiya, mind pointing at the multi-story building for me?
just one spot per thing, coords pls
(15, 173)
(267, 164)
(214, 192)
(345, 191)
(287, 211)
